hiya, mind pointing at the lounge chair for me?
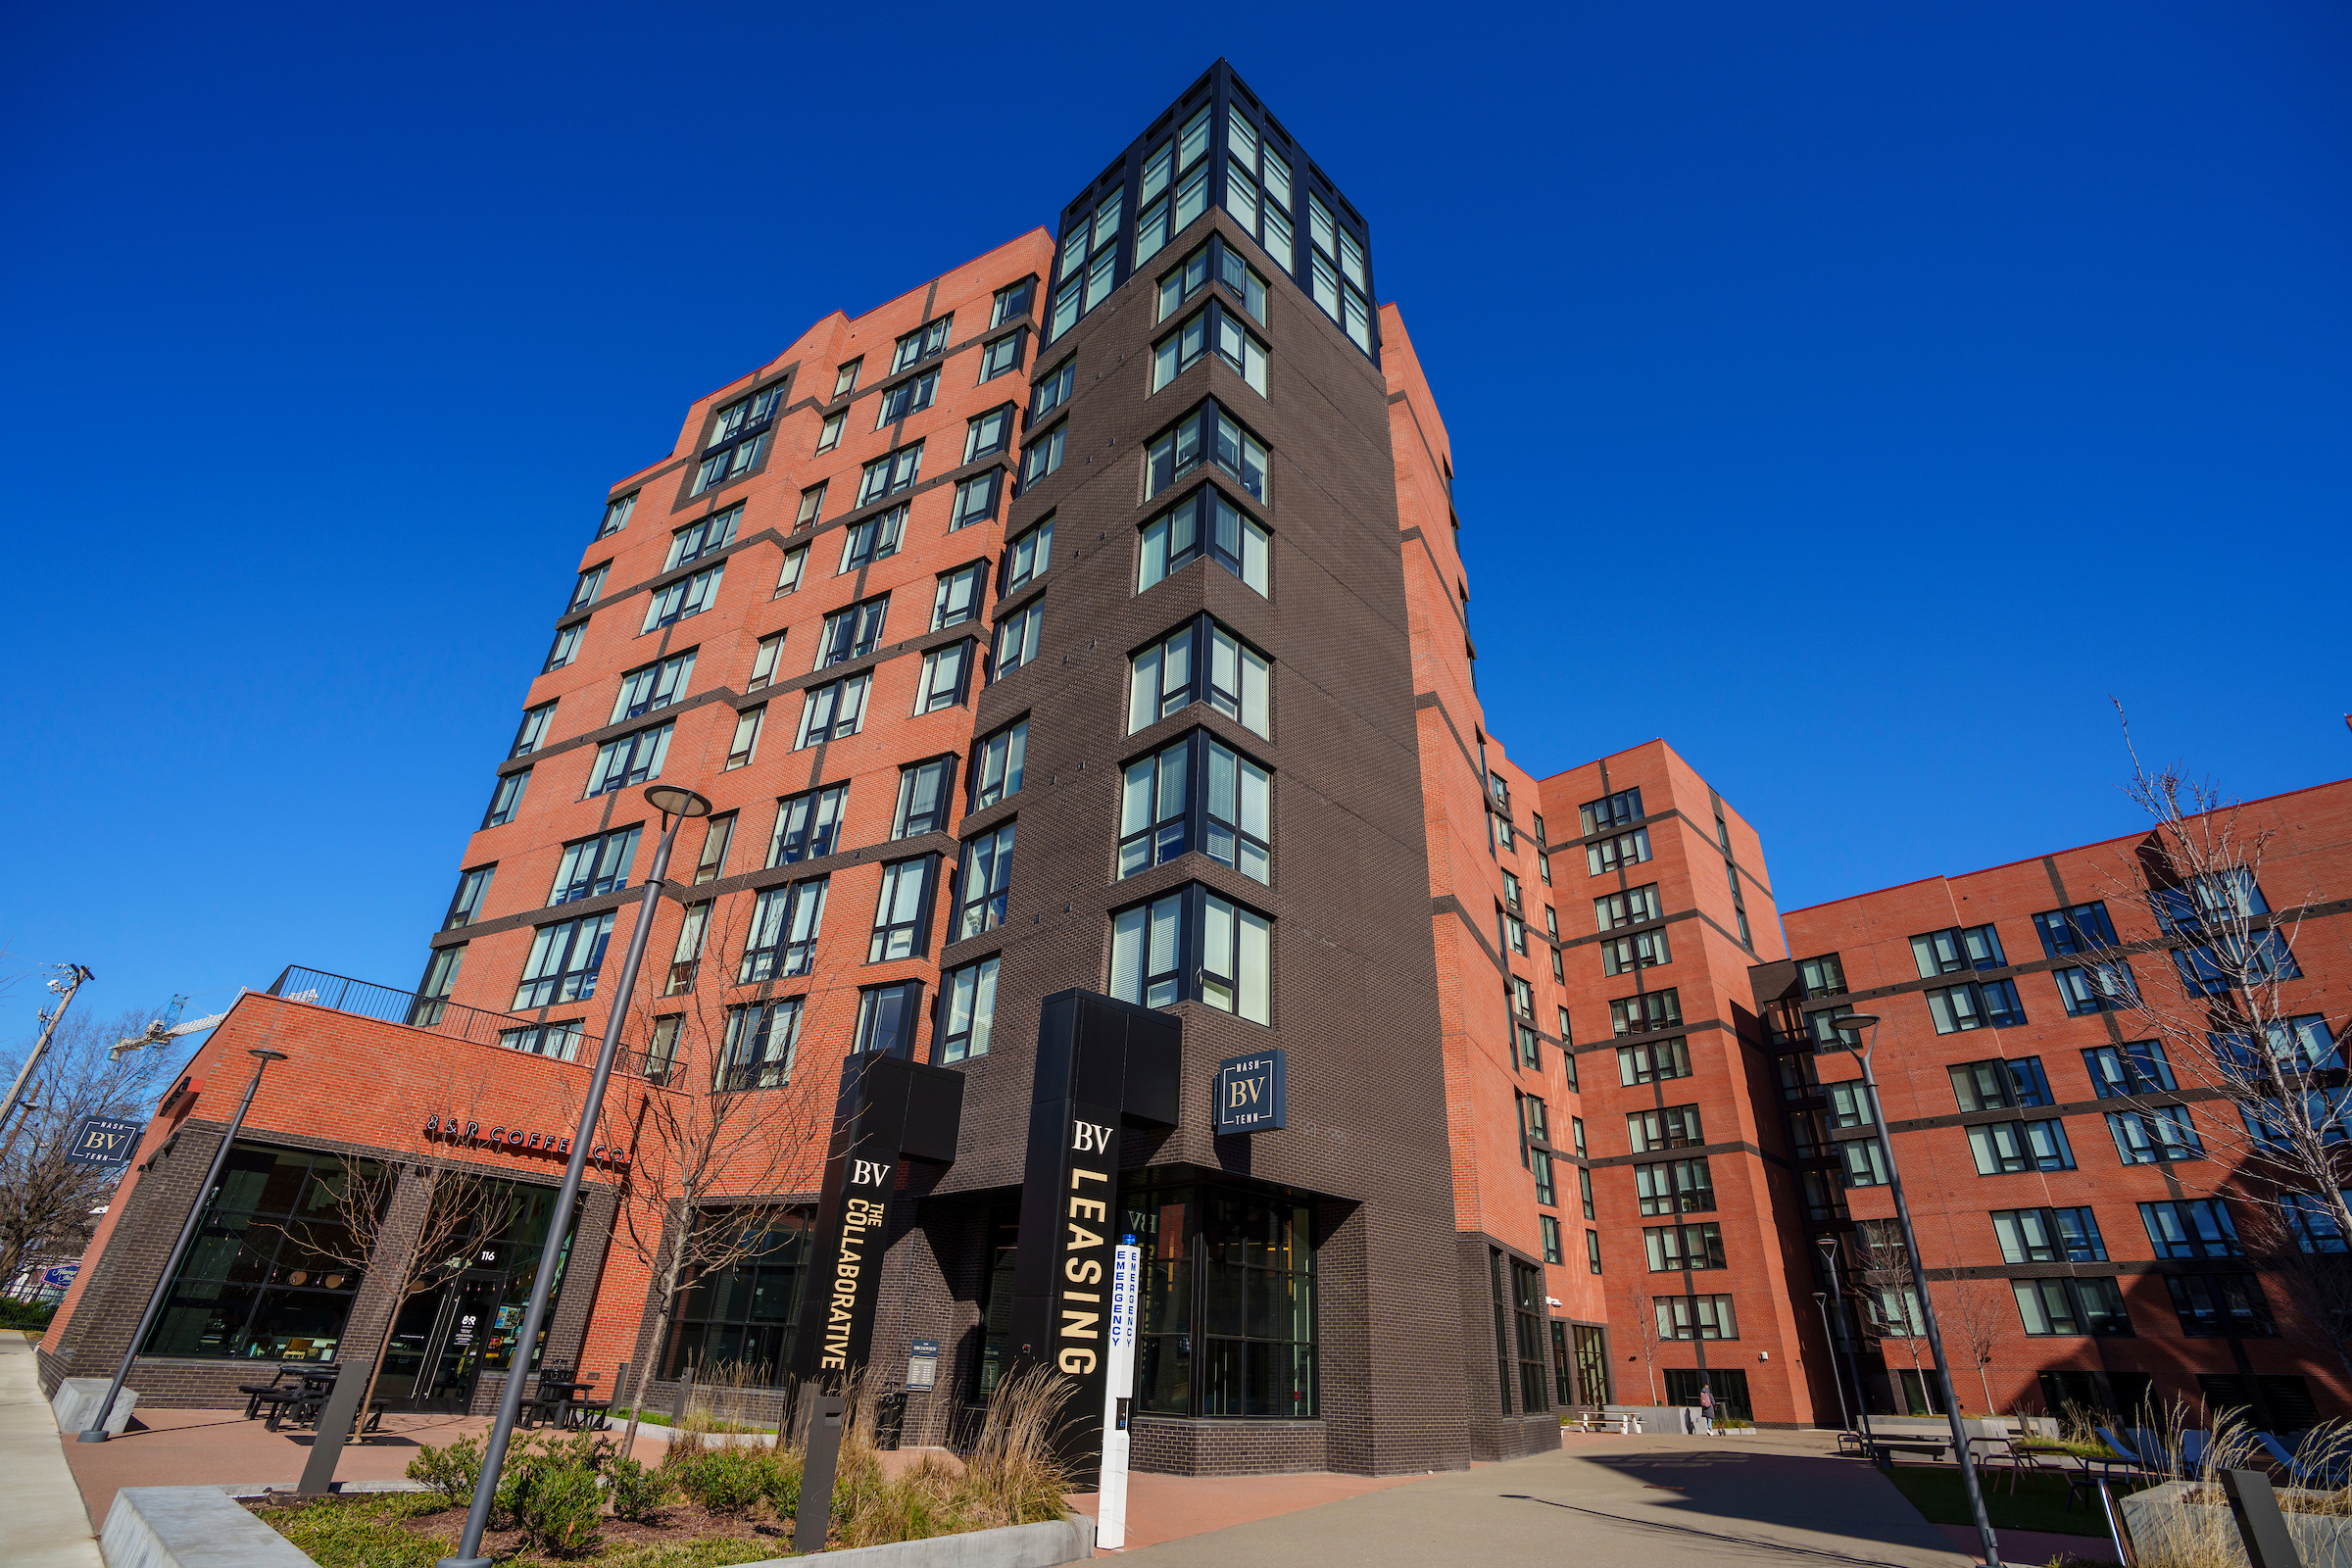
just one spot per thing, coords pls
(2323, 1478)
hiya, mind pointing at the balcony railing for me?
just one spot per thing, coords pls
(438, 1014)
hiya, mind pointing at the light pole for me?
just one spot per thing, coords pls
(1858, 1022)
(675, 806)
(74, 974)
(97, 1433)
(1845, 1417)
(1846, 1347)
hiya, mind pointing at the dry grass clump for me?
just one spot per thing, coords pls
(2193, 1527)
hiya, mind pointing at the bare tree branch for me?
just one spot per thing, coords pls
(48, 1203)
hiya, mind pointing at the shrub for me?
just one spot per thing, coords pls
(451, 1470)
(724, 1480)
(27, 1314)
(784, 1485)
(639, 1492)
(559, 1506)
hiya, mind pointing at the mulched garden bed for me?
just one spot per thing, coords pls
(415, 1530)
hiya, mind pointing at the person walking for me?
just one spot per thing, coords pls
(1706, 1408)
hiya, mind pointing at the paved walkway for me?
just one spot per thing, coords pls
(1631, 1502)
(46, 1525)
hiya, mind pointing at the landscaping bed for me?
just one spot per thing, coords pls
(2040, 1502)
(415, 1530)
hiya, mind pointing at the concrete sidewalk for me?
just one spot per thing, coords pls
(46, 1527)
(1631, 1503)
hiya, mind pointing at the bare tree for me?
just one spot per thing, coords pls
(2318, 1310)
(1973, 1312)
(48, 1201)
(1890, 1291)
(1643, 1317)
(2215, 994)
(714, 1134)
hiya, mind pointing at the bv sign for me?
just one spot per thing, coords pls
(104, 1140)
(1252, 1094)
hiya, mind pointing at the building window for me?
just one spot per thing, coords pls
(1861, 1163)
(560, 1041)
(1626, 849)
(976, 499)
(968, 998)
(716, 836)
(833, 711)
(745, 740)
(2135, 1067)
(902, 915)
(2221, 1304)
(1197, 794)
(923, 791)
(1695, 1317)
(630, 760)
(661, 1057)
(890, 474)
(1207, 434)
(2050, 1236)
(1201, 663)
(828, 435)
(1643, 949)
(1655, 1009)
(706, 537)
(2000, 1085)
(1182, 282)
(920, 344)
(594, 865)
(617, 515)
(811, 510)
(675, 602)
(958, 596)
(584, 592)
(2003, 1148)
(2310, 1218)
(1004, 356)
(738, 438)
(1675, 1187)
(2191, 1228)
(432, 993)
(1584, 1189)
(844, 379)
(988, 434)
(1990, 1003)
(1540, 1162)
(871, 539)
(1592, 1249)
(2078, 1307)
(1228, 1310)
(2229, 895)
(2095, 988)
(2080, 928)
(686, 958)
(1652, 1062)
(1192, 945)
(785, 924)
(1012, 302)
(886, 1016)
(747, 1314)
(1213, 327)
(808, 825)
(983, 888)
(1957, 951)
(1053, 389)
(264, 1280)
(1629, 908)
(1550, 1230)
(1822, 977)
(465, 906)
(505, 799)
(1621, 810)
(1206, 524)
(2157, 1136)
(563, 963)
(763, 662)
(1684, 1247)
(788, 579)
(2301, 1043)
(852, 633)
(1017, 637)
(531, 734)
(762, 1042)
(1026, 557)
(909, 396)
(997, 766)
(566, 646)
(1673, 1127)
(659, 684)
(1514, 930)
(1041, 458)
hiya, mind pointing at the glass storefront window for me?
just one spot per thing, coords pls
(745, 1315)
(265, 1278)
(1228, 1302)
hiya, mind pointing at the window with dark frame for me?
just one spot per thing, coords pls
(595, 866)
(1206, 524)
(786, 922)
(997, 762)
(738, 438)
(807, 824)
(762, 1039)
(886, 1019)
(969, 1011)
(903, 912)
(465, 905)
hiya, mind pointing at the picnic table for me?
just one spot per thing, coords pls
(560, 1400)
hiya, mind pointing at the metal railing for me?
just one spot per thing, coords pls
(438, 1014)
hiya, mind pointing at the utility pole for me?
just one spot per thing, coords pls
(69, 982)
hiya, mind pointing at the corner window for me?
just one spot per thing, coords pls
(852, 632)
(1206, 524)
(1214, 327)
(660, 684)
(785, 924)
(687, 597)
(902, 913)
(739, 436)
(617, 515)
(1192, 945)
(988, 434)
(1027, 557)
(976, 499)
(531, 734)
(983, 888)
(706, 537)
(593, 867)
(808, 825)
(1053, 389)
(1004, 356)
(1012, 302)
(505, 799)
(1206, 435)
(1042, 457)
(920, 344)
(465, 905)
(762, 1042)
(944, 677)
(969, 1011)
(1017, 638)
(1202, 663)
(890, 474)
(566, 646)
(923, 792)
(563, 964)
(907, 397)
(886, 1016)
(1197, 795)
(833, 711)
(997, 766)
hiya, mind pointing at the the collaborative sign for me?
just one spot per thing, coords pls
(1252, 1094)
(105, 1141)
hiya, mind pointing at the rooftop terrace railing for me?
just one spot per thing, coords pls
(438, 1014)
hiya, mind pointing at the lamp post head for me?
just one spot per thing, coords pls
(1844, 1028)
(265, 1053)
(671, 800)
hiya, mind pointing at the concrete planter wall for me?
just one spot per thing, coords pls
(2165, 1529)
(207, 1527)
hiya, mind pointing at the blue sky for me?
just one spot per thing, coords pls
(1856, 396)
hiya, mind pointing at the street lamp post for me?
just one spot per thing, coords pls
(1845, 1417)
(1845, 1347)
(97, 1432)
(675, 806)
(1862, 1048)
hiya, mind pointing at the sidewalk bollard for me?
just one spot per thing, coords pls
(2260, 1524)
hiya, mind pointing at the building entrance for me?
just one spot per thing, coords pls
(443, 1338)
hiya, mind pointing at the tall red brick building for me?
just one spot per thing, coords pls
(1089, 617)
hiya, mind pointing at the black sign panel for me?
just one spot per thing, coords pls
(1100, 1064)
(1253, 1094)
(105, 1141)
(890, 1109)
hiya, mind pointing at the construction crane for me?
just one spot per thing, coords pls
(163, 1031)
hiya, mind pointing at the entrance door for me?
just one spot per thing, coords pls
(438, 1341)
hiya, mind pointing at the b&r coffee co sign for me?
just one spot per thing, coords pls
(517, 1141)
